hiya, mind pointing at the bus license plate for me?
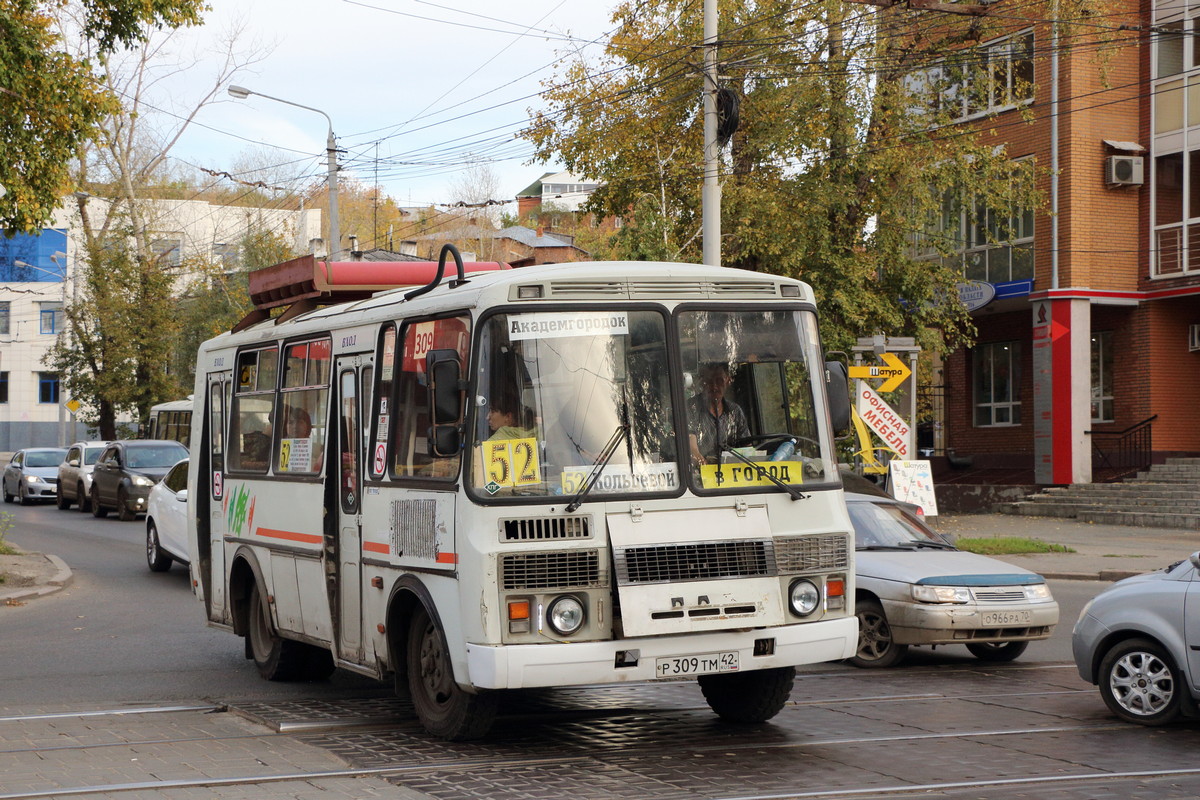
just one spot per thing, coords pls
(697, 665)
(999, 618)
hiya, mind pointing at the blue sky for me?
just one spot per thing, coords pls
(412, 86)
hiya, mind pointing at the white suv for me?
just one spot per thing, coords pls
(75, 475)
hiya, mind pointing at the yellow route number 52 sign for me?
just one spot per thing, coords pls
(511, 462)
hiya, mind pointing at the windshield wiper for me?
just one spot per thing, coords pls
(918, 544)
(601, 462)
(791, 490)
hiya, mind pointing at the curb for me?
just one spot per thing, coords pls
(62, 578)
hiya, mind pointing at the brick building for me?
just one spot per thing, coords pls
(1093, 323)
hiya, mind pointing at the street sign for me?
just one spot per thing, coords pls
(73, 405)
(882, 419)
(895, 372)
(912, 482)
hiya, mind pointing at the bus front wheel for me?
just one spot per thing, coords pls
(279, 659)
(755, 696)
(443, 708)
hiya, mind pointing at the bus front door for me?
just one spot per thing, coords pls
(350, 372)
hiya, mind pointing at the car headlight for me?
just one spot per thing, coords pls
(1038, 593)
(565, 615)
(32, 479)
(941, 594)
(804, 597)
(138, 480)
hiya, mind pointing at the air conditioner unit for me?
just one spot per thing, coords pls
(1193, 338)
(1123, 171)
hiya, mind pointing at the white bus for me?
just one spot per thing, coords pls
(516, 479)
(170, 420)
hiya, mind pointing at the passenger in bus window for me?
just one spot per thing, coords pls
(509, 419)
(714, 421)
(299, 426)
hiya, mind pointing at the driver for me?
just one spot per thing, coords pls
(712, 420)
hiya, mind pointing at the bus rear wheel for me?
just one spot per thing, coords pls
(443, 708)
(743, 697)
(279, 659)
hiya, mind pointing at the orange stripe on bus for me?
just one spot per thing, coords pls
(291, 536)
(376, 547)
(447, 558)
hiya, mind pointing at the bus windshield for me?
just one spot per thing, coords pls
(564, 399)
(561, 395)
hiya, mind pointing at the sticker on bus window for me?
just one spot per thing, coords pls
(510, 462)
(620, 478)
(295, 455)
(736, 476)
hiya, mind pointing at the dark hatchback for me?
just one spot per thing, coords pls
(126, 471)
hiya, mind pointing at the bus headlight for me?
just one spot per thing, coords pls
(804, 597)
(565, 615)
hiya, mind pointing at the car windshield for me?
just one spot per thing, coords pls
(90, 454)
(44, 458)
(153, 457)
(567, 398)
(886, 525)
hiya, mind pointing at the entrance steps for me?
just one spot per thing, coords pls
(1165, 496)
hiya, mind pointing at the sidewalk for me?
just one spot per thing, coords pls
(1102, 552)
(31, 575)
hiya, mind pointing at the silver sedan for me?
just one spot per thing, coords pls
(32, 474)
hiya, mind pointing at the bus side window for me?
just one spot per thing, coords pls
(301, 415)
(250, 416)
(410, 430)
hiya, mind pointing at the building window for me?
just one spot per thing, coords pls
(997, 380)
(50, 316)
(978, 81)
(5, 316)
(1102, 377)
(3, 387)
(995, 246)
(168, 251)
(226, 255)
(47, 387)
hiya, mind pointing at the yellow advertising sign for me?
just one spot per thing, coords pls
(895, 372)
(736, 476)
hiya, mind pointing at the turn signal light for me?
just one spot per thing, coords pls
(835, 587)
(518, 616)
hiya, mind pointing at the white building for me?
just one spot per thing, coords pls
(37, 277)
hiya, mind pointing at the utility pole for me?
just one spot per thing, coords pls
(711, 196)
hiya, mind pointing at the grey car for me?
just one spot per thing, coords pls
(126, 470)
(75, 474)
(32, 474)
(1139, 641)
(915, 588)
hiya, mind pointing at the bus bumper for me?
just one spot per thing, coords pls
(578, 663)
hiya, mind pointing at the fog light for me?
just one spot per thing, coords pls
(565, 615)
(803, 597)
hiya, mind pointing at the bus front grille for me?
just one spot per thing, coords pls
(567, 569)
(797, 554)
(540, 529)
(696, 561)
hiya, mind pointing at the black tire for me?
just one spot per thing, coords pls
(61, 501)
(876, 647)
(124, 512)
(1140, 683)
(997, 652)
(156, 559)
(748, 697)
(98, 511)
(279, 659)
(24, 499)
(85, 502)
(8, 498)
(442, 707)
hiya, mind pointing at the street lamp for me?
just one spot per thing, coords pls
(241, 93)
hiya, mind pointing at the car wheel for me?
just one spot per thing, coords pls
(98, 511)
(8, 498)
(997, 652)
(876, 647)
(279, 659)
(443, 708)
(62, 501)
(24, 498)
(155, 557)
(124, 512)
(85, 502)
(744, 697)
(1139, 683)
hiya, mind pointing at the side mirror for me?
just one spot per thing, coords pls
(837, 389)
(1195, 559)
(446, 397)
(181, 495)
(74, 462)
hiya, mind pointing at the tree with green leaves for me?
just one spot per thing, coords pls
(839, 163)
(51, 101)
